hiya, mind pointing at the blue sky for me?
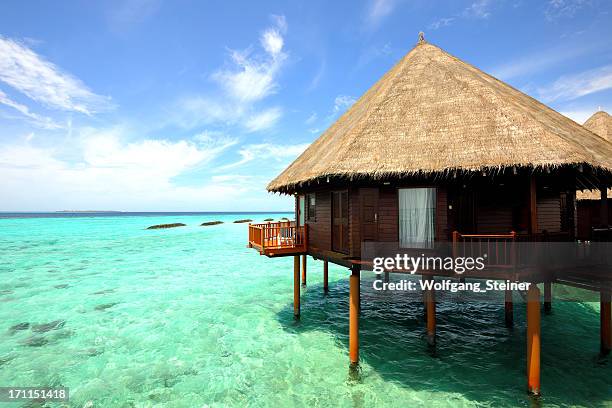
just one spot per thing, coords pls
(194, 106)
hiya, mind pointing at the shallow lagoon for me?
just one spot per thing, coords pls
(190, 317)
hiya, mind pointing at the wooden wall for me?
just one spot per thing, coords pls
(319, 230)
(588, 217)
(549, 213)
(499, 208)
(388, 215)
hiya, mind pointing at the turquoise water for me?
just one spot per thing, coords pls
(190, 317)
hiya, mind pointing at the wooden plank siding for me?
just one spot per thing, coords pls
(549, 213)
(354, 224)
(388, 215)
(319, 230)
(442, 228)
(498, 206)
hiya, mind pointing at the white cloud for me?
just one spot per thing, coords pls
(253, 77)
(248, 79)
(267, 152)
(126, 14)
(342, 102)
(378, 10)
(579, 115)
(312, 118)
(111, 173)
(263, 120)
(564, 8)
(571, 87)
(43, 82)
(443, 22)
(34, 118)
(479, 9)
(542, 60)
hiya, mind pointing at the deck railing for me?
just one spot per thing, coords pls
(500, 249)
(278, 237)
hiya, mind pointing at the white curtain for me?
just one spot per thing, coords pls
(301, 209)
(417, 211)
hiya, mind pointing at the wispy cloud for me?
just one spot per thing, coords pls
(34, 118)
(581, 114)
(564, 8)
(247, 79)
(342, 102)
(311, 119)
(479, 9)
(373, 52)
(126, 14)
(267, 152)
(107, 171)
(263, 120)
(45, 83)
(314, 82)
(544, 59)
(443, 22)
(571, 87)
(253, 77)
(378, 10)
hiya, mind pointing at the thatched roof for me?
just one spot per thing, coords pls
(601, 124)
(433, 113)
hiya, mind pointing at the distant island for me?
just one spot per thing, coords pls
(87, 211)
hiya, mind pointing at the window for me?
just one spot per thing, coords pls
(417, 213)
(301, 210)
(311, 210)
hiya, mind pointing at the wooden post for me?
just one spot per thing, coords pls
(296, 286)
(533, 206)
(431, 316)
(533, 340)
(304, 270)
(325, 275)
(354, 316)
(605, 317)
(509, 309)
(387, 273)
(547, 297)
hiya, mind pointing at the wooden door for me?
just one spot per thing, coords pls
(466, 211)
(368, 214)
(340, 231)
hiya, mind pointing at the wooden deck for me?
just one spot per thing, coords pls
(282, 238)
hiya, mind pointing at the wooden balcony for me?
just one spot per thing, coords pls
(500, 248)
(278, 238)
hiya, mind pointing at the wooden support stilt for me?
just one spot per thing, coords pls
(533, 340)
(354, 316)
(605, 317)
(387, 273)
(325, 275)
(547, 297)
(509, 309)
(296, 286)
(431, 317)
(304, 270)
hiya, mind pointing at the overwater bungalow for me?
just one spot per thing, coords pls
(434, 155)
(589, 217)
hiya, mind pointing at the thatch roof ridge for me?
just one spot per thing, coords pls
(423, 99)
